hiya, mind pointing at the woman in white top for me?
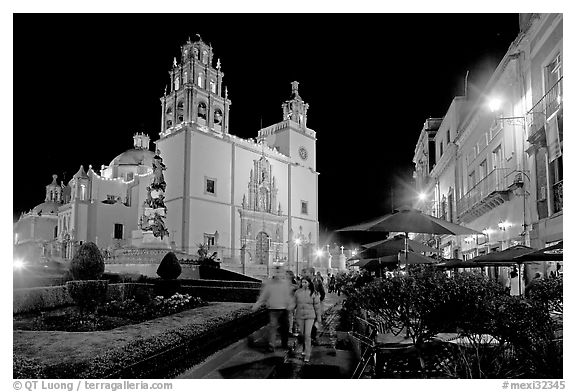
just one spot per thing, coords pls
(307, 313)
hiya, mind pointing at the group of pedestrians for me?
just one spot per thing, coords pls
(294, 306)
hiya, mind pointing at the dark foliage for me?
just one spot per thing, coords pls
(87, 294)
(424, 302)
(169, 268)
(88, 263)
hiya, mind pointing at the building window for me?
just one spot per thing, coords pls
(56, 232)
(202, 110)
(212, 86)
(471, 180)
(441, 149)
(447, 136)
(217, 116)
(209, 240)
(200, 77)
(304, 207)
(118, 231)
(497, 158)
(483, 169)
(180, 105)
(176, 83)
(185, 76)
(205, 57)
(209, 186)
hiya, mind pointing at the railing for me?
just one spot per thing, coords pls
(558, 190)
(496, 180)
(550, 102)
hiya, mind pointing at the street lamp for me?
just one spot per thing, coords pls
(297, 241)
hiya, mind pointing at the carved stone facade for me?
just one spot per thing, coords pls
(261, 219)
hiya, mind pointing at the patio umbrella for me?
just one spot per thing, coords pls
(398, 243)
(409, 220)
(502, 258)
(551, 253)
(417, 258)
(364, 263)
(457, 263)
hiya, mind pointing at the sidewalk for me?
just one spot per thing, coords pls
(247, 359)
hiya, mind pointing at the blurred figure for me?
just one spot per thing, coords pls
(307, 313)
(278, 296)
(292, 328)
(332, 284)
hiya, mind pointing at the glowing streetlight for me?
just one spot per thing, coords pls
(422, 196)
(18, 264)
(297, 241)
(319, 253)
(494, 104)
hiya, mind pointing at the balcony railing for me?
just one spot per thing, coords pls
(550, 102)
(496, 181)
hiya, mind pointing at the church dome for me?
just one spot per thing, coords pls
(135, 156)
(46, 208)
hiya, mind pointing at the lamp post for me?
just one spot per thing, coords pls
(297, 241)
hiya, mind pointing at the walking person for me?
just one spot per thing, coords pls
(318, 282)
(292, 328)
(278, 296)
(307, 313)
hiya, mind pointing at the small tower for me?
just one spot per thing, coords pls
(79, 185)
(141, 141)
(295, 109)
(54, 191)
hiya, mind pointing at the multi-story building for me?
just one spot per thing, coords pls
(498, 165)
(253, 201)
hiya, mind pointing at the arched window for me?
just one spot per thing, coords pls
(180, 119)
(185, 76)
(218, 116)
(205, 57)
(169, 123)
(212, 86)
(176, 83)
(200, 78)
(169, 110)
(196, 53)
(202, 110)
(56, 232)
(180, 105)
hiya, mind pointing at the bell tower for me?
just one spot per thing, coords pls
(291, 136)
(196, 94)
(295, 109)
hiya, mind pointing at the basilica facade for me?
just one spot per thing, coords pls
(252, 201)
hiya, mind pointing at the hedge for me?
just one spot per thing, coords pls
(222, 294)
(40, 298)
(146, 350)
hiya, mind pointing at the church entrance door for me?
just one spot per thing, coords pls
(262, 248)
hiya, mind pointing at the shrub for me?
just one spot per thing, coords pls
(24, 368)
(548, 293)
(169, 268)
(88, 263)
(87, 294)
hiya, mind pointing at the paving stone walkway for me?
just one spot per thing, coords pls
(247, 358)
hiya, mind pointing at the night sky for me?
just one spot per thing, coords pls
(84, 84)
